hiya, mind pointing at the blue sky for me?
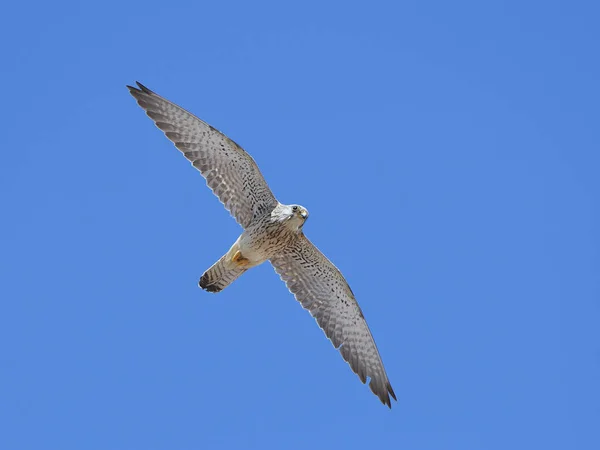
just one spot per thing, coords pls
(448, 153)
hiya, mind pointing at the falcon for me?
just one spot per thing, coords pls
(273, 232)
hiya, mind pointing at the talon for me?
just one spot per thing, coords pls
(239, 259)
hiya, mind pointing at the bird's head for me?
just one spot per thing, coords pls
(297, 215)
(299, 211)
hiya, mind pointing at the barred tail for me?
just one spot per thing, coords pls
(221, 274)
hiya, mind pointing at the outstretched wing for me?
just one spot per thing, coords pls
(230, 172)
(320, 287)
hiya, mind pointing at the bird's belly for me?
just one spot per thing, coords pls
(251, 250)
(253, 255)
(258, 247)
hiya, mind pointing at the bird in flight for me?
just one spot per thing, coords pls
(273, 232)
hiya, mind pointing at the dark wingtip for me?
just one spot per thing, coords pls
(383, 393)
(391, 391)
(144, 88)
(138, 90)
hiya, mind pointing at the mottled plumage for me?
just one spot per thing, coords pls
(272, 231)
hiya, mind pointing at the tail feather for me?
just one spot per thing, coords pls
(220, 275)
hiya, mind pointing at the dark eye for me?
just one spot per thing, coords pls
(294, 208)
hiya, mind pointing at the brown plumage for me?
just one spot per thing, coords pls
(272, 231)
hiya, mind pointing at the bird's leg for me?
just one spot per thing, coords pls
(239, 260)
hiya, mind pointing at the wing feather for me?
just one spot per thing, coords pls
(320, 287)
(229, 171)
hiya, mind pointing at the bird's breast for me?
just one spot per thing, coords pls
(262, 242)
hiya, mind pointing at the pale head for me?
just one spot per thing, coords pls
(298, 211)
(293, 216)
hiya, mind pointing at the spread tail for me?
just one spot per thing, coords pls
(221, 274)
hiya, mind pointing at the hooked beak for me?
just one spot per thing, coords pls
(304, 214)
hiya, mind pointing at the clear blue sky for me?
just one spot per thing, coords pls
(448, 153)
